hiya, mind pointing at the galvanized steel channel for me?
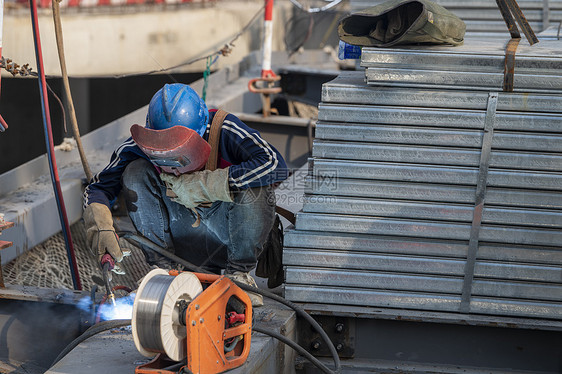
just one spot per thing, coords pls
(426, 229)
(326, 170)
(474, 55)
(430, 136)
(422, 265)
(420, 301)
(429, 199)
(435, 155)
(421, 283)
(350, 88)
(433, 211)
(431, 192)
(434, 117)
(477, 64)
(461, 80)
(400, 245)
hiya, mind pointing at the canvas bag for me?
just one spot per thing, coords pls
(402, 22)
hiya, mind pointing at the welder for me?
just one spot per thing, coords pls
(218, 218)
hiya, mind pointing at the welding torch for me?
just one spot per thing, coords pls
(107, 263)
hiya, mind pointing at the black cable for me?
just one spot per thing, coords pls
(60, 104)
(93, 298)
(292, 27)
(295, 346)
(230, 347)
(300, 312)
(95, 329)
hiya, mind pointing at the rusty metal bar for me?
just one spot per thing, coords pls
(522, 21)
(508, 18)
(509, 64)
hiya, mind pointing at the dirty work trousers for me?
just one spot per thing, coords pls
(230, 236)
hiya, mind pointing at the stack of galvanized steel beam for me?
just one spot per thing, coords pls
(431, 199)
(484, 18)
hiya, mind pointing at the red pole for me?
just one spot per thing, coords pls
(51, 150)
(266, 71)
(3, 124)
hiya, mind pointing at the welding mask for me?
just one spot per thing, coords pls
(402, 22)
(175, 124)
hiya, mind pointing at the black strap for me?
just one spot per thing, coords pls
(214, 136)
(479, 201)
(287, 214)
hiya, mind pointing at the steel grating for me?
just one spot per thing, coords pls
(389, 210)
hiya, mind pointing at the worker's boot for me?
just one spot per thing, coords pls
(246, 278)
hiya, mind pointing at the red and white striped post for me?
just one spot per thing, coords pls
(266, 71)
(268, 77)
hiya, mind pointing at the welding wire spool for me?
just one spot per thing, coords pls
(155, 323)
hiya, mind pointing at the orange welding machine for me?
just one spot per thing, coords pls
(191, 323)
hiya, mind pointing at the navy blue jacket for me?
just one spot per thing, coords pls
(253, 162)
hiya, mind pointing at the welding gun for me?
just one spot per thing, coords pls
(107, 264)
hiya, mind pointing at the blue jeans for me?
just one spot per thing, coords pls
(230, 236)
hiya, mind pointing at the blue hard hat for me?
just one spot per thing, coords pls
(177, 104)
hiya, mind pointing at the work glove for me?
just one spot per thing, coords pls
(100, 234)
(199, 187)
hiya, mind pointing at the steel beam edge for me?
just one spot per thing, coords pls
(350, 88)
(41, 294)
(434, 317)
(421, 300)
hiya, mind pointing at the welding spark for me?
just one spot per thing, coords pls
(123, 308)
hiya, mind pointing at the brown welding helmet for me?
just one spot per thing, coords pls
(176, 150)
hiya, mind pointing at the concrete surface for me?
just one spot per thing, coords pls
(126, 41)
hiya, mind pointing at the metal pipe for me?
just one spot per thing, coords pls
(3, 124)
(68, 94)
